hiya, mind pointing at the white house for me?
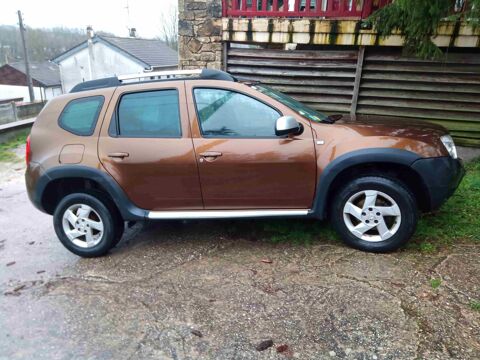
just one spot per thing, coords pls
(45, 78)
(105, 56)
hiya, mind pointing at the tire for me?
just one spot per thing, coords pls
(374, 214)
(92, 225)
(120, 224)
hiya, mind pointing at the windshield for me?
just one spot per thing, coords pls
(293, 104)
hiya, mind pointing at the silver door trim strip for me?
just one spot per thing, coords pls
(223, 214)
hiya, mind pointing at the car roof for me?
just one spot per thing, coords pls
(148, 77)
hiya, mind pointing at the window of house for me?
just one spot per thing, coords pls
(224, 113)
(80, 116)
(149, 114)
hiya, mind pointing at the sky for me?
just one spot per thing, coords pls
(105, 15)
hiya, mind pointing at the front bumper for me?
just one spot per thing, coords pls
(441, 177)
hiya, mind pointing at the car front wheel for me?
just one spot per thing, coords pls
(374, 214)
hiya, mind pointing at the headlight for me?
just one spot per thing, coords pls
(449, 145)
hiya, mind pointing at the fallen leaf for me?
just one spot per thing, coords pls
(40, 271)
(31, 243)
(11, 263)
(282, 348)
(266, 261)
(196, 333)
(264, 345)
(18, 288)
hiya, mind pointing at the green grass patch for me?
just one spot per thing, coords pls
(300, 232)
(427, 247)
(435, 283)
(6, 153)
(475, 305)
(458, 219)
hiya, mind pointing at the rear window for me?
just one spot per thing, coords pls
(149, 114)
(80, 116)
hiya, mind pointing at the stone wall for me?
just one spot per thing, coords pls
(200, 34)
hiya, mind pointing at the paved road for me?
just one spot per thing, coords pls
(199, 290)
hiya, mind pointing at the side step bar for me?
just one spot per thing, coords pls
(223, 214)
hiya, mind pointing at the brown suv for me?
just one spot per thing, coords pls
(209, 146)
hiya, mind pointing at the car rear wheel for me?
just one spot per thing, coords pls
(374, 214)
(86, 225)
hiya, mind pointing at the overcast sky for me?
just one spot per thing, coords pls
(106, 15)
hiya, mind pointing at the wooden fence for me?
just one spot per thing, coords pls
(356, 9)
(373, 82)
(302, 8)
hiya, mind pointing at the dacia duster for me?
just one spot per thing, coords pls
(205, 145)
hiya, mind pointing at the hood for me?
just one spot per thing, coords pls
(372, 125)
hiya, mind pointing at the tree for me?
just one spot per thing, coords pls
(43, 44)
(169, 27)
(418, 21)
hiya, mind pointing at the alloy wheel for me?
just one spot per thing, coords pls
(82, 225)
(372, 215)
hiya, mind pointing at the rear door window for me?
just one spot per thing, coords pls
(149, 114)
(80, 116)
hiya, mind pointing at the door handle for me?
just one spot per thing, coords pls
(213, 154)
(209, 156)
(119, 155)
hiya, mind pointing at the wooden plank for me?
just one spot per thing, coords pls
(333, 108)
(416, 113)
(466, 134)
(314, 90)
(450, 69)
(358, 78)
(301, 81)
(225, 47)
(325, 99)
(291, 63)
(420, 95)
(470, 79)
(420, 104)
(466, 142)
(421, 86)
(293, 54)
(289, 72)
(456, 125)
(450, 59)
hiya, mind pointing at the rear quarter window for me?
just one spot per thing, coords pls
(80, 116)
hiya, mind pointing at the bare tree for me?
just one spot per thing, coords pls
(169, 26)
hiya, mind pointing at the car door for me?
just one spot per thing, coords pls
(242, 163)
(145, 144)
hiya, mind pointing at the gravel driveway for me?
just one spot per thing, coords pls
(198, 290)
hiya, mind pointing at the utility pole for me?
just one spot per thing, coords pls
(25, 56)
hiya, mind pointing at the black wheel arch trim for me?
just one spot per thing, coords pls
(354, 158)
(127, 209)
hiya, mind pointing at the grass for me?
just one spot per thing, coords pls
(6, 153)
(475, 305)
(299, 232)
(435, 283)
(458, 219)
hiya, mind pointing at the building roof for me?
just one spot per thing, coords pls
(45, 73)
(150, 53)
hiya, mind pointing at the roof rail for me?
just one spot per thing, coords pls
(204, 74)
(157, 75)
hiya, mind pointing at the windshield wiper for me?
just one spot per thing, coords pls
(331, 119)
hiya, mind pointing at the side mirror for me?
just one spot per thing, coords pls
(287, 125)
